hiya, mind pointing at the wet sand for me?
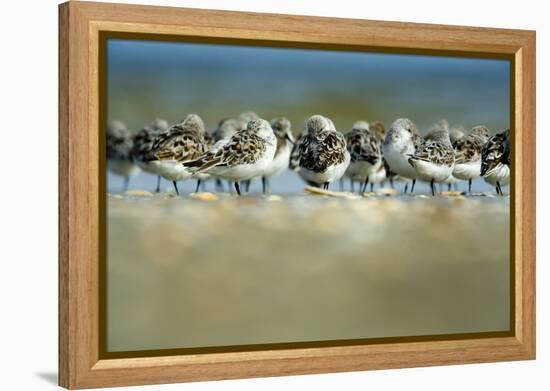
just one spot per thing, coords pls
(185, 272)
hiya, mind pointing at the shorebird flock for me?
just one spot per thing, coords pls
(246, 147)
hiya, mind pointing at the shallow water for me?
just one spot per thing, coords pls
(182, 272)
(287, 183)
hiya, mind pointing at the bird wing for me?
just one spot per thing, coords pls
(435, 152)
(294, 161)
(468, 151)
(241, 148)
(496, 150)
(323, 150)
(143, 144)
(417, 141)
(363, 146)
(178, 143)
(119, 148)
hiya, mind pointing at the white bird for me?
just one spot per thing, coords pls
(401, 140)
(282, 129)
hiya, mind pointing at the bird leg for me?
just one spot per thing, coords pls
(412, 188)
(432, 185)
(126, 183)
(470, 186)
(264, 184)
(176, 187)
(237, 188)
(406, 188)
(365, 184)
(219, 185)
(157, 190)
(198, 185)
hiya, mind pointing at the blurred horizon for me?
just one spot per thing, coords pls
(148, 79)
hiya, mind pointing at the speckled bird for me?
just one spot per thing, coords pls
(495, 160)
(243, 156)
(119, 144)
(178, 144)
(324, 157)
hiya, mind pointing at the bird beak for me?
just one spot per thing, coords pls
(289, 138)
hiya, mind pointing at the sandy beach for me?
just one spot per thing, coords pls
(224, 270)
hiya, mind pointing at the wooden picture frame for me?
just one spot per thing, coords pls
(81, 25)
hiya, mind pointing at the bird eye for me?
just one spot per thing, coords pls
(409, 130)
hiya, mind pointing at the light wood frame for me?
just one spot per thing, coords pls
(80, 24)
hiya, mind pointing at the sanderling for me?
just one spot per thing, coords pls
(158, 124)
(178, 144)
(384, 173)
(457, 138)
(119, 151)
(294, 160)
(401, 140)
(437, 127)
(282, 129)
(226, 128)
(380, 176)
(360, 124)
(468, 155)
(244, 118)
(377, 128)
(323, 154)
(243, 156)
(457, 135)
(143, 145)
(495, 160)
(365, 155)
(435, 158)
(209, 141)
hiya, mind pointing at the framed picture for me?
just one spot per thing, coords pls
(247, 195)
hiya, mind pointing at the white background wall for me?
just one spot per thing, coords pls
(28, 207)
